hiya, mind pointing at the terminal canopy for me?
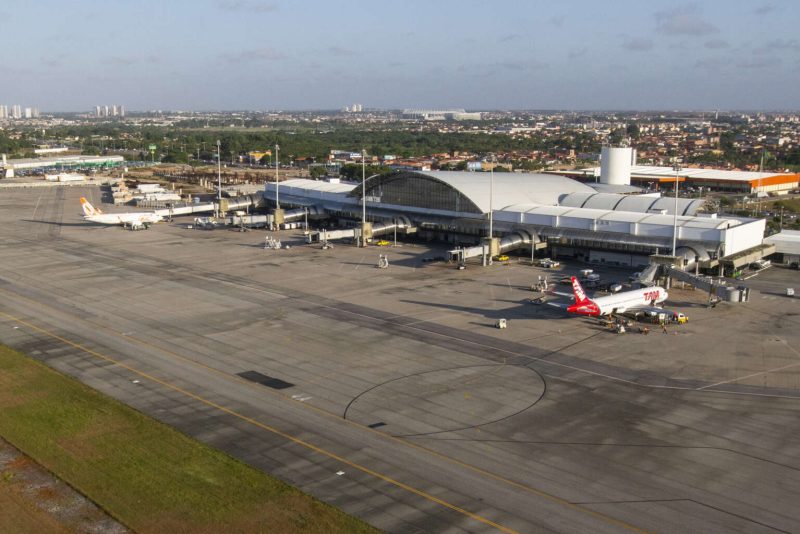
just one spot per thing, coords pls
(466, 192)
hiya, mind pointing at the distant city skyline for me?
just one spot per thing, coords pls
(478, 55)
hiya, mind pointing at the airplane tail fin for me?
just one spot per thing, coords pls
(580, 294)
(88, 209)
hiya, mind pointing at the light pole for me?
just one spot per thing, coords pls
(491, 210)
(677, 169)
(277, 198)
(491, 201)
(363, 195)
(219, 176)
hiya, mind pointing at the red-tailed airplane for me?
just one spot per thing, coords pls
(643, 300)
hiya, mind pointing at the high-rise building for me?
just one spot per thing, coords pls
(115, 110)
(28, 113)
(3, 112)
(16, 111)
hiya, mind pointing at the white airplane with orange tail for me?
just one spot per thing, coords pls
(636, 300)
(135, 221)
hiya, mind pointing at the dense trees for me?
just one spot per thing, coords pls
(353, 171)
(316, 172)
(312, 144)
(192, 141)
(176, 157)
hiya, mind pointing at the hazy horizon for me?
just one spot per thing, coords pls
(338, 110)
(242, 55)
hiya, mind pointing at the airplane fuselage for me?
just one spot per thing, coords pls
(619, 303)
(123, 218)
(90, 213)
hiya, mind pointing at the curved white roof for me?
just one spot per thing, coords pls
(313, 185)
(614, 188)
(686, 206)
(509, 188)
(620, 216)
(637, 203)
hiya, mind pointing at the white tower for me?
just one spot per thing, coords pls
(615, 165)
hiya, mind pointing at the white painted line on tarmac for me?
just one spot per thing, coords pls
(750, 376)
(36, 207)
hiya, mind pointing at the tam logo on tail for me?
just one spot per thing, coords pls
(580, 295)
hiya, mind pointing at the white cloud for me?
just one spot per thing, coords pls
(257, 54)
(637, 44)
(716, 44)
(249, 6)
(341, 51)
(683, 20)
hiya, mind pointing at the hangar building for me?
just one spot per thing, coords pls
(742, 182)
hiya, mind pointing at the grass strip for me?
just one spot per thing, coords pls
(147, 475)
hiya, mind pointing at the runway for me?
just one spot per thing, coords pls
(388, 393)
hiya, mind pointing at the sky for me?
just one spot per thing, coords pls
(392, 54)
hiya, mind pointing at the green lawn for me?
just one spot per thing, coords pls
(789, 204)
(145, 474)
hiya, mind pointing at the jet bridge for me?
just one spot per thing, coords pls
(400, 224)
(715, 287)
(227, 204)
(289, 216)
(513, 241)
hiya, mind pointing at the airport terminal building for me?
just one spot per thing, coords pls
(11, 167)
(555, 214)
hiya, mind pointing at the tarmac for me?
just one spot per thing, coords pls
(390, 394)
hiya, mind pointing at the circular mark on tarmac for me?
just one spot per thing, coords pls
(447, 400)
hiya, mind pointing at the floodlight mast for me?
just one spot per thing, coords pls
(219, 177)
(491, 207)
(277, 197)
(491, 201)
(677, 169)
(363, 196)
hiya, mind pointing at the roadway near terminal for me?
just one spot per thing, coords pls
(388, 393)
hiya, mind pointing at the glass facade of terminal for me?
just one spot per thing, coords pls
(416, 190)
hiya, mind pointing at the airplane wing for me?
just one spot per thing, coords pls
(560, 294)
(649, 310)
